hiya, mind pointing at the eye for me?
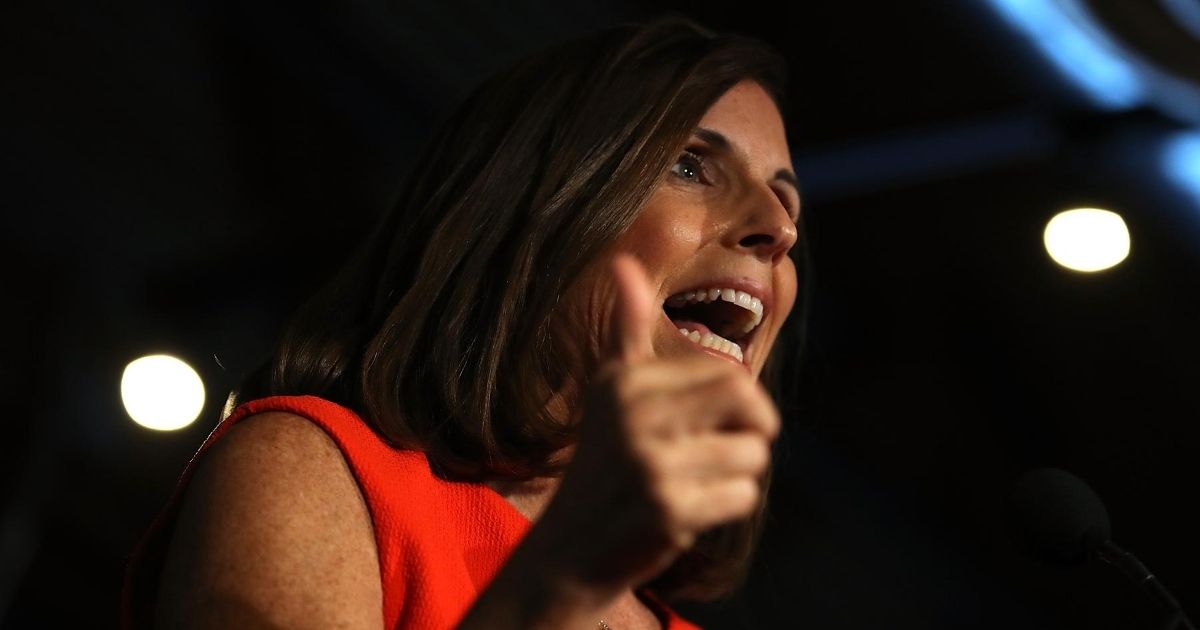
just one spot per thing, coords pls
(689, 166)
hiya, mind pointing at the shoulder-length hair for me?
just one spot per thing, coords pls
(438, 330)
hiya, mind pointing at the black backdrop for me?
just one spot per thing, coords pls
(177, 177)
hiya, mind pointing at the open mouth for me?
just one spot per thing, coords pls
(720, 318)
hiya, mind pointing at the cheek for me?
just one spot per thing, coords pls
(786, 285)
(662, 236)
(787, 288)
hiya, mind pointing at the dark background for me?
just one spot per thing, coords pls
(176, 177)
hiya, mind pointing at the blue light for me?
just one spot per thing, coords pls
(1078, 48)
(1181, 162)
(1186, 13)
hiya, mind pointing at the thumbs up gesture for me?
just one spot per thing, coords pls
(668, 448)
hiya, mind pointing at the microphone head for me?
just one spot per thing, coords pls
(1059, 516)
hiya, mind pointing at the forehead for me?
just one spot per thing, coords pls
(748, 117)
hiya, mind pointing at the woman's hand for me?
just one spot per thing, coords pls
(668, 448)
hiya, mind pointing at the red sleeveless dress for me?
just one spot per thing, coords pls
(439, 542)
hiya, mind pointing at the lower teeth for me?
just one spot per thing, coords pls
(716, 342)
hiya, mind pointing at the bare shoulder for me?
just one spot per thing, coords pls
(272, 532)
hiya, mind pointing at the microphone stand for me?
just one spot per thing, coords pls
(1132, 567)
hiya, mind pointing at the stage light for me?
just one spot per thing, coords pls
(1186, 14)
(1113, 63)
(1181, 162)
(1087, 239)
(161, 392)
(1078, 47)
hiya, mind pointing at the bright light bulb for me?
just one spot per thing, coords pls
(1087, 239)
(161, 392)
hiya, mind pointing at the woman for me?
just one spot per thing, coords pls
(532, 399)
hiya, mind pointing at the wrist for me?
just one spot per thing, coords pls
(539, 587)
(554, 564)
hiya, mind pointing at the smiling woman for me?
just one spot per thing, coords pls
(716, 237)
(490, 417)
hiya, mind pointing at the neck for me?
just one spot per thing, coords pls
(529, 497)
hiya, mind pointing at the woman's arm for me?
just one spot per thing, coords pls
(272, 532)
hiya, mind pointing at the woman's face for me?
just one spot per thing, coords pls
(714, 236)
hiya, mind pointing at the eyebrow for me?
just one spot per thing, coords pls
(721, 143)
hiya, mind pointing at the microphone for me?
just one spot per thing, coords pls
(1064, 522)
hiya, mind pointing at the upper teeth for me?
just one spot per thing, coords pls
(741, 298)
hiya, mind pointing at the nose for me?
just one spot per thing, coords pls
(765, 230)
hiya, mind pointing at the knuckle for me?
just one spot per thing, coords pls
(765, 462)
(626, 398)
(774, 422)
(622, 383)
(727, 452)
(760, 457)
(745, 494)
(728, 383)
(653, 466)
(747, 455)
(641, 416)
(741, 385)
(661, 504)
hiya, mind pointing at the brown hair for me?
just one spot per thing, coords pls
(439, 330)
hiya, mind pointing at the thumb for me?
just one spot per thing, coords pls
(634, 314)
